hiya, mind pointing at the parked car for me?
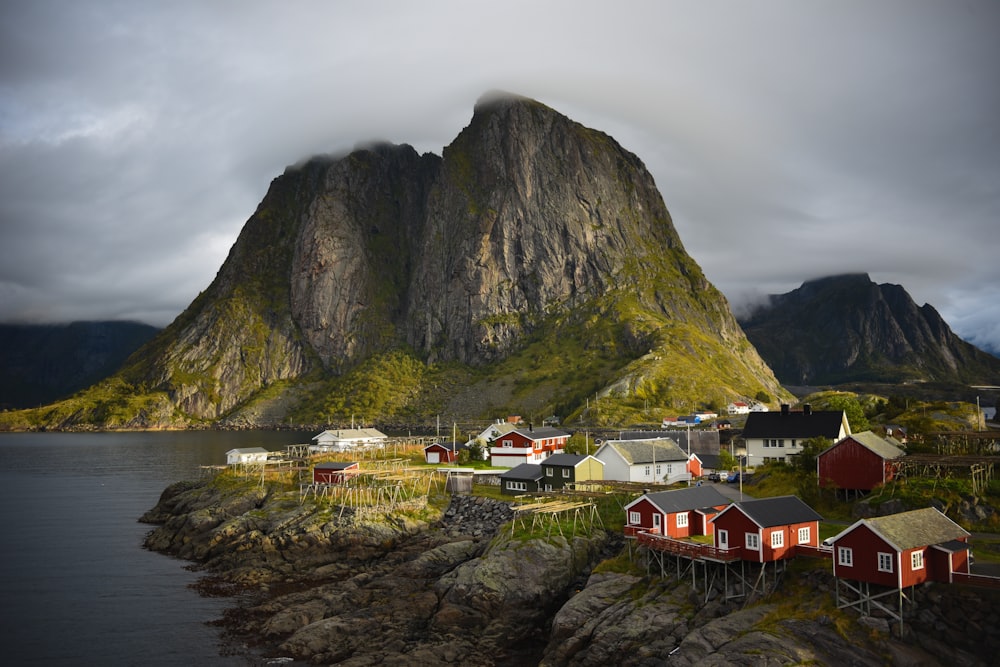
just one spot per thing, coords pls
(714, 477)
(733, 477)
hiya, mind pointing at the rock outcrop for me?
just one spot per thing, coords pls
(420, 588)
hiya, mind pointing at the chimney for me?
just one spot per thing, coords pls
(531, 428)
(807, 409)
(784, 409)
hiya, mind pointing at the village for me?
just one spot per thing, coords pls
(685, 510)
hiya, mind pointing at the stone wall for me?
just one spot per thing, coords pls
(475, 516)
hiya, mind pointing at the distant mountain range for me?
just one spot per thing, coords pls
(42, 363)
(846, 328)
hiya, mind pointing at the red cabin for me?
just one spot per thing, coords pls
(333, 472)
(438, 453)
(859, 462)
(679, 513)
(901, 550)
(767, 529)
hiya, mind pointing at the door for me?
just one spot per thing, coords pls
(656, 522)
(723, 539)
(434, 457)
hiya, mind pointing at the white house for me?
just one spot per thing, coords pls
(775, 436)
(738, 408)
(245, 455)
(345, 439)
(758, 407)
(656, 460)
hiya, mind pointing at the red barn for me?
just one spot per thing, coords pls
(859, 462)
(902, 549)
(333, 472)
(438, 453)
(679, 513)
(767, 529)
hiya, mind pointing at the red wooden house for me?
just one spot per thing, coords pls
(439, 453)
(860, 462)
(334, 472)
(679, 513)
(901, 550)
(767, 529)
(527, 445)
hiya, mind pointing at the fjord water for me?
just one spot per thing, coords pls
(76, 585)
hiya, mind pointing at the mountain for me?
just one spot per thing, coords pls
(42, 363)
(848, 329)
(532, 267)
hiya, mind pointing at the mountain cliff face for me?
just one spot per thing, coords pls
(849, 329)
(529, 229)
(41, 363)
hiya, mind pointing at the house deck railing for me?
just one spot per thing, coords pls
(981, 580)
(686, 549)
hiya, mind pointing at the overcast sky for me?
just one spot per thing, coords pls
(790, 140)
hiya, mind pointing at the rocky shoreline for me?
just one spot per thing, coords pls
(441, 585)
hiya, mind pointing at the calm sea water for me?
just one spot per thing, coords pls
(76, 586)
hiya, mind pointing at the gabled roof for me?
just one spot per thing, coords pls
(568, 460)
(352, 434)
(711, 461)
(525, 471)
(647, 451)
(884, 447)
(248, 450)
(779, 511)
(540, 433)
(684, 500)
(439, 444)
(336, 465)
(909, 530)
(799, 425)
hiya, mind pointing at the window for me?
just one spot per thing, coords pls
(781, 442)
(884, 562)
(507, 443)
(517, 486)
(793, 443)
(777, 539)
(647, 471)
(917, 560)
(657, 469)
(682, 519)
(634, 518)
(566, 473)
(670, 468)
(845, 556)
(548, 472)
(753, 541)
(804, 535)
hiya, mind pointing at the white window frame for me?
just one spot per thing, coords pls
(885, 562)
(777, 539)
(917, 560)
(506, 443)
(845, 556)
(566, 473)
(646, 473)
(752, 541)
(681, 520)
(548, 472)
(634, 518)
(805, 534)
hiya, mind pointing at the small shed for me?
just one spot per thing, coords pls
(700, 465)
(679, 513)
(439, 453)
(334, 472)
(767, 529)
(246, 455)
(565, 470)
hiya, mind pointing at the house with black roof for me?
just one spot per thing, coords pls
(565, 470)
(677, 514)
(767, 529)
(776, 436)
(524, 478)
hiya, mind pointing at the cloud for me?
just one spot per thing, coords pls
(790, 140)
